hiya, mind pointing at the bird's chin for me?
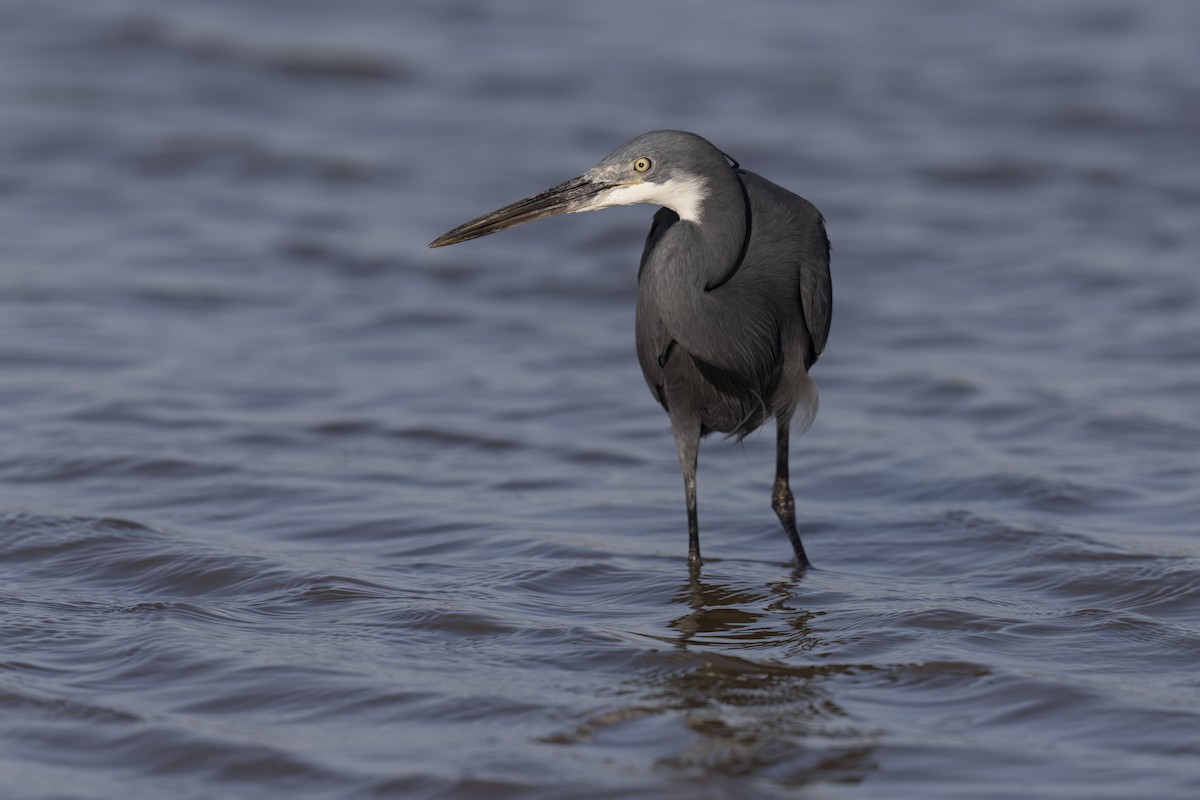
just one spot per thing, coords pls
(623, 193)
(684, 194)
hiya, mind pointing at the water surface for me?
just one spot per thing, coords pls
(291, 507)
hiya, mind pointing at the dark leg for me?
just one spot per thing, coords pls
(687, 445)
(689, 488)
(781, 498)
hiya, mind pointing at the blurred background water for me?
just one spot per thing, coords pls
(292, 507)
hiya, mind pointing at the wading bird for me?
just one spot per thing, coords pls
(734, 294)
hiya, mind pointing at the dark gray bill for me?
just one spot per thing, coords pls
(564, 198)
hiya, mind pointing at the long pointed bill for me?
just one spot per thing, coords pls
(562, 199)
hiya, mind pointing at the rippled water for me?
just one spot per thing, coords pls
(291, 507)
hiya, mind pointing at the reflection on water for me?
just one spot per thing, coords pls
(719, 609)
(726, 698)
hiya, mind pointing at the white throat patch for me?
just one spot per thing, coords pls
(684, 196)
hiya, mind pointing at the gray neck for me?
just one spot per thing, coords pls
(691, 265)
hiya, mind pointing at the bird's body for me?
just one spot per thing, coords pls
(734, 293)
(736, 354)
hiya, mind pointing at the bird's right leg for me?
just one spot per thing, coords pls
(781, 497)
(687, 445)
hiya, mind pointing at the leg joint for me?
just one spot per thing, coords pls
(782, 500)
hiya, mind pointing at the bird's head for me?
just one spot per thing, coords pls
(665, 168)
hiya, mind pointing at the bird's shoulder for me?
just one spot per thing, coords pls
(769, 197)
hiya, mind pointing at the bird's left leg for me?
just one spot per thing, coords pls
(781, 498)
(686, 429)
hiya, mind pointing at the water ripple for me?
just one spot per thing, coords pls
(292, 506)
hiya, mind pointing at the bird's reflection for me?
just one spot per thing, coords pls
(719, 613)
(740, 692)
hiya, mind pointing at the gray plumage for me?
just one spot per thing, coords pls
(734, 294)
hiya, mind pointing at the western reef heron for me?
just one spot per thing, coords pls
(734, 294)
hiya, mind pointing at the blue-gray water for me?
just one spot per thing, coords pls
(292, 507)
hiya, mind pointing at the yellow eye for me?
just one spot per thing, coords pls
(642, 164)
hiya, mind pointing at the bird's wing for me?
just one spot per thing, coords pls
(816, 287)
(800, 231)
